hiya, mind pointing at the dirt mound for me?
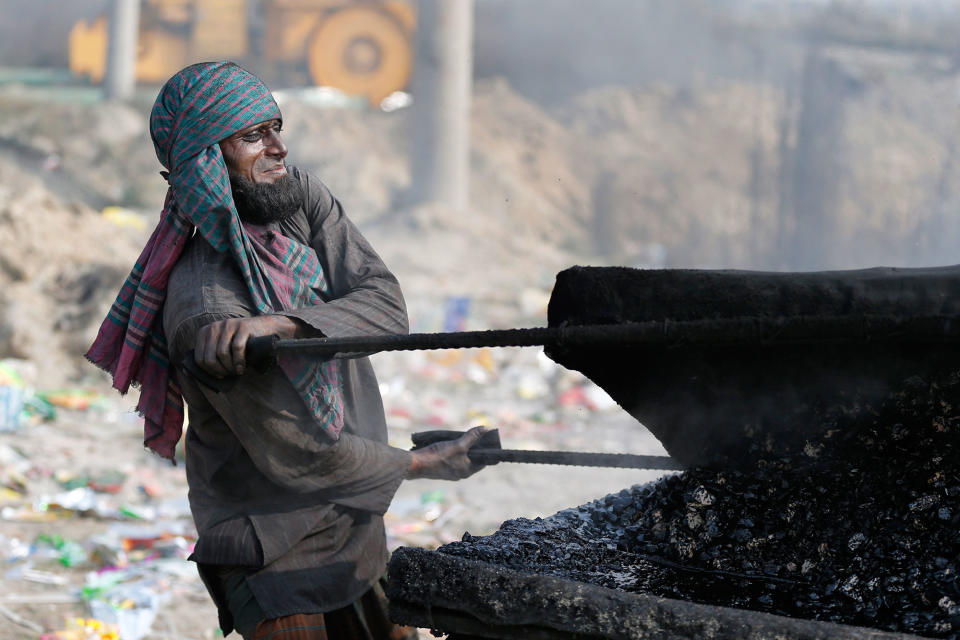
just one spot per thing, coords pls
(528, 178)
(360, 155)
(57, 280)
(527, 220)
(687, 170)
(898, 197)
(98, 154)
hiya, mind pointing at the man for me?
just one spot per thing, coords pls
(289, 470)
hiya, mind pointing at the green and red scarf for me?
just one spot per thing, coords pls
(197, 108)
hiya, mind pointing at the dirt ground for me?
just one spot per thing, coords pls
(80, 447)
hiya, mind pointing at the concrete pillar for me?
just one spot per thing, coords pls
(119, 80)
(441, 87)
(818, 166)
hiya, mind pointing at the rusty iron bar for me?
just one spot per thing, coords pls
(575, 459)
(716, 332)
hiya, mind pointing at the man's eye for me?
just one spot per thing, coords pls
(252, 137)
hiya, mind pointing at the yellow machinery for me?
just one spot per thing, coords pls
(363, 47)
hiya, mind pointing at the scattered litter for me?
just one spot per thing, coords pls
(41, 598)
(68, 552)
(131, 608)
(11, 406)
(396, 101)
(29, 574)
(20, 620)
(15, 372)
(421, 521)
(531, 387)
(81, 500)
(79, 399)
(599, 399)
(19, 404)
(86, 629)
(456, 313)
(576, 397)
(124, 218)
(109, 481)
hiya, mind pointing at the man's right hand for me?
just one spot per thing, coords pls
(221, 346)
(446, 460)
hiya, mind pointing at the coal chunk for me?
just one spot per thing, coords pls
(866, 532)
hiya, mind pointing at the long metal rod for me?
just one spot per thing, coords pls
(711, 332)
(719, 332)
(575, 458)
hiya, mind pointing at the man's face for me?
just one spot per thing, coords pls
(263, 191)
(256, 153)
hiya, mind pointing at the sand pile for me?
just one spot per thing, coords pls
(60, 267)
(98, 154)
(692, 171)
(528, 219)
(358, 154)
(529, 180)
(898, 193)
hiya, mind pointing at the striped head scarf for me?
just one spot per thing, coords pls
(197, 108)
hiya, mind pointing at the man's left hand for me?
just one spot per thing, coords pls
(221, 346)
(446, 460)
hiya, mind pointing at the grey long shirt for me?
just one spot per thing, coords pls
(269, 490)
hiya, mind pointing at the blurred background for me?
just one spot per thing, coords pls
(482, 146)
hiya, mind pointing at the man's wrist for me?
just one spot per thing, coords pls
(415, 468)
(288, 327)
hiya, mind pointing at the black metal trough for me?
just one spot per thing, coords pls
(820, 342)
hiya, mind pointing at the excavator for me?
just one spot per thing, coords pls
(362, 47)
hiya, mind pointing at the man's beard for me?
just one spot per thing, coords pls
(261, 203)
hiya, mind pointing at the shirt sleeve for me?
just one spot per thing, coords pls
(274, 427)
(365, 297)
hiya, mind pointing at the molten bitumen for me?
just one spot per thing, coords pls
(861, 527)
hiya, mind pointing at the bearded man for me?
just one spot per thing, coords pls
(288, 469)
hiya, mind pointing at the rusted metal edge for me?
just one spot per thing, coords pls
(454, 595)
(463, 626)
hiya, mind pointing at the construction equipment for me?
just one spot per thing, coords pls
(363, 48)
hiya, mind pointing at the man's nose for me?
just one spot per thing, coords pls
(275, 146)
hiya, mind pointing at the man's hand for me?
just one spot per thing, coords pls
(446, 460)
(220, 349)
